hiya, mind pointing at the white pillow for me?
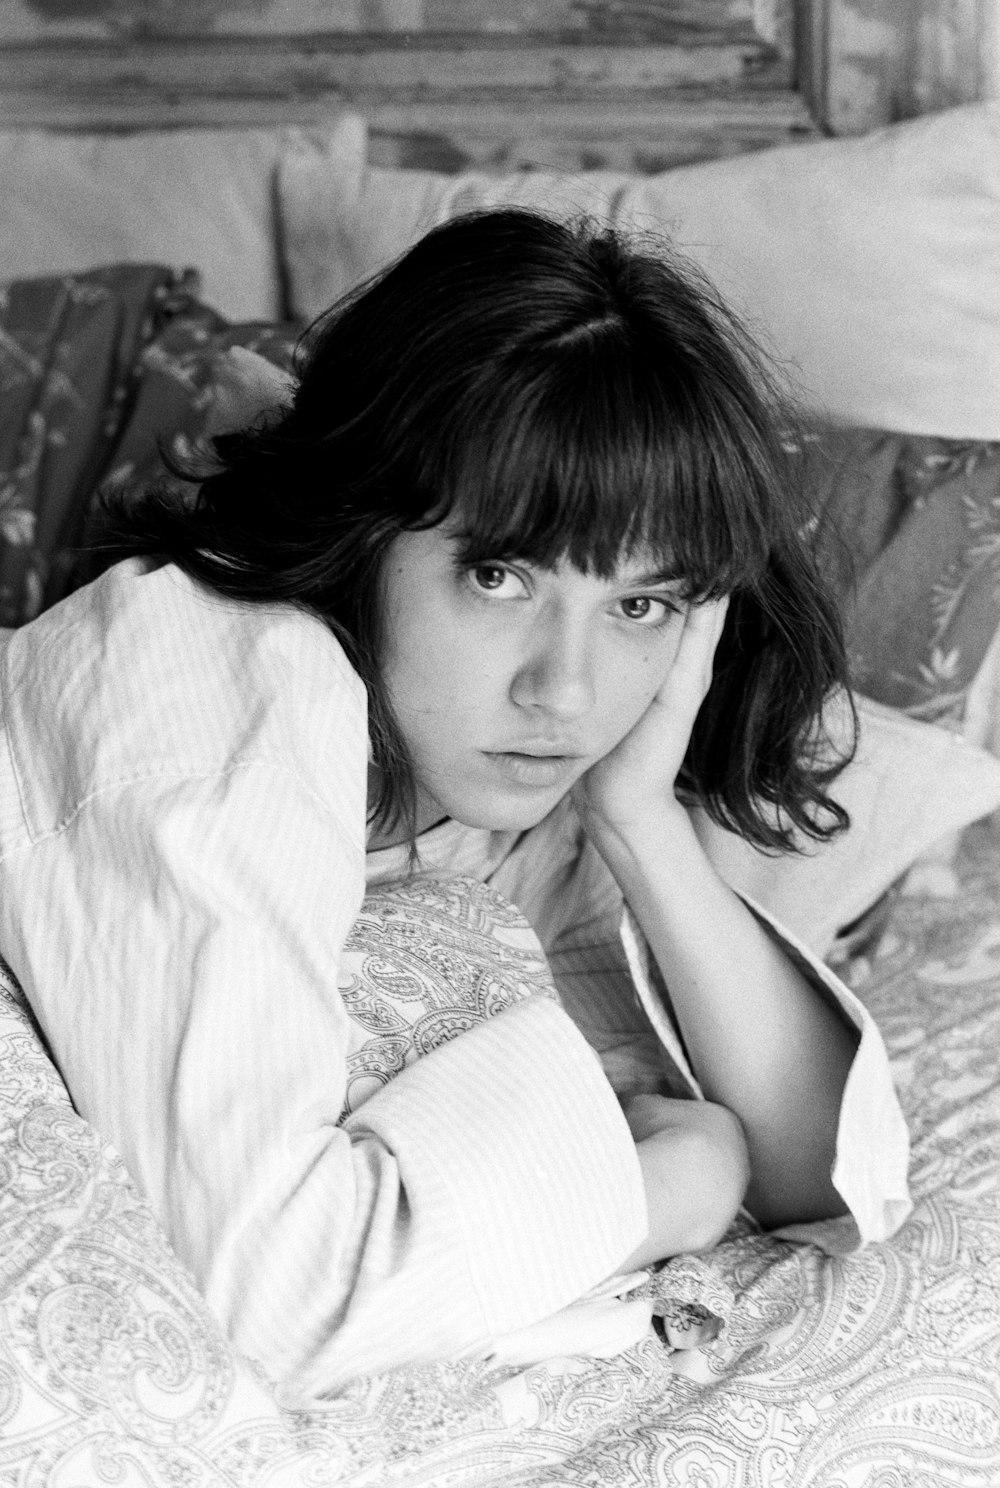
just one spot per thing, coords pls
(909, 786)
(201, 198)
(337, 229)
(872, 264)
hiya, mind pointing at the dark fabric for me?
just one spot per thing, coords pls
(67, 356)
(95, 368)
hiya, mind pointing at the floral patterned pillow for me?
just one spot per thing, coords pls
(910, 528)
(95, 369)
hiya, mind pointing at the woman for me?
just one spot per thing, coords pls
(515, 576)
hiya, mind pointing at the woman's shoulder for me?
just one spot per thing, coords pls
(146, 672)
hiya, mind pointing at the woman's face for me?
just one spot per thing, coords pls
(509, 681)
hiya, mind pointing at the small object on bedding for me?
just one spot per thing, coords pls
(692, 1301)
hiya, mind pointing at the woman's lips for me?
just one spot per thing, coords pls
(539, 770)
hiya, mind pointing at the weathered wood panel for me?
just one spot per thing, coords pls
(367, 68)
(949, 53)
(449, 83)
(489, 99)
(887, 60)
(664, 79)
(38, 20)
(625, 134)
(653, 20)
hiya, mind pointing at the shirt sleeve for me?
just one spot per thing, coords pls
(187, 979)
(873, 1149)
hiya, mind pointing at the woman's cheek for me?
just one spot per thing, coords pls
(629, 701)
(640, 680)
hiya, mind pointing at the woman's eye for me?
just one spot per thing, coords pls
(495, 579)
(645, 609)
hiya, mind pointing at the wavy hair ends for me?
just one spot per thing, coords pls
(558, 392)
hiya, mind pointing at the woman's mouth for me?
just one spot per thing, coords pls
(539, 770)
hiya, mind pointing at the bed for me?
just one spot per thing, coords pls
(871, 267)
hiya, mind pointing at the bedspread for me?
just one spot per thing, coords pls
(878, 1370)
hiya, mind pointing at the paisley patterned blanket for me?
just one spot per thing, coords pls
(775, 1366)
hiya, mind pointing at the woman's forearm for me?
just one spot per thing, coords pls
(762, 1041)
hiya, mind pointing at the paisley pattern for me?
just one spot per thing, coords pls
(773, 1366)
(407, 991)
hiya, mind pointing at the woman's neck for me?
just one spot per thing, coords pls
(396, 834)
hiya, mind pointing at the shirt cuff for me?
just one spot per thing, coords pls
(873, 1148)
(873, 1144)
(516, 1132)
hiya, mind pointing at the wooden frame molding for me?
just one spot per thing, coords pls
(867, 63)
(701, 88)
(636, 87)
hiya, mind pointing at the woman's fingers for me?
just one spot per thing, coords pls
(699, 641)
(644, 765)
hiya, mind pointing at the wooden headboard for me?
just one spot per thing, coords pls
(449, 84)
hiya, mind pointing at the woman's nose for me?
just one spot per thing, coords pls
(556, 677)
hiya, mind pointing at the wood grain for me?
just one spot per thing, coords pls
(44, 20)
(364, 67)
(889, 60)
(497, 99)
(570, 84)
(626, 134)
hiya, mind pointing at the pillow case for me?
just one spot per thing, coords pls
(94, 369)
(871, 266)
(909, 787)
(68, 348)
(199, 197)
(186, 197)
(910, 532)
(336, 231)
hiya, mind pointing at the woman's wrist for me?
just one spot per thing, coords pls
(659, 839)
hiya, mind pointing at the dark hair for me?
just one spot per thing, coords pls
(562, 392)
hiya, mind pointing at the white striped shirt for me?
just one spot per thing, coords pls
(182, 849)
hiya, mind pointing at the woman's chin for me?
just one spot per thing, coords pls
(501, 811)
(501, 792)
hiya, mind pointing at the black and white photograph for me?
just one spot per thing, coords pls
(499, 744)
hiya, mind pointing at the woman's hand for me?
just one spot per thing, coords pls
(640, 773)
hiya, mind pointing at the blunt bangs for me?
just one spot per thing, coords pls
(589, 451)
